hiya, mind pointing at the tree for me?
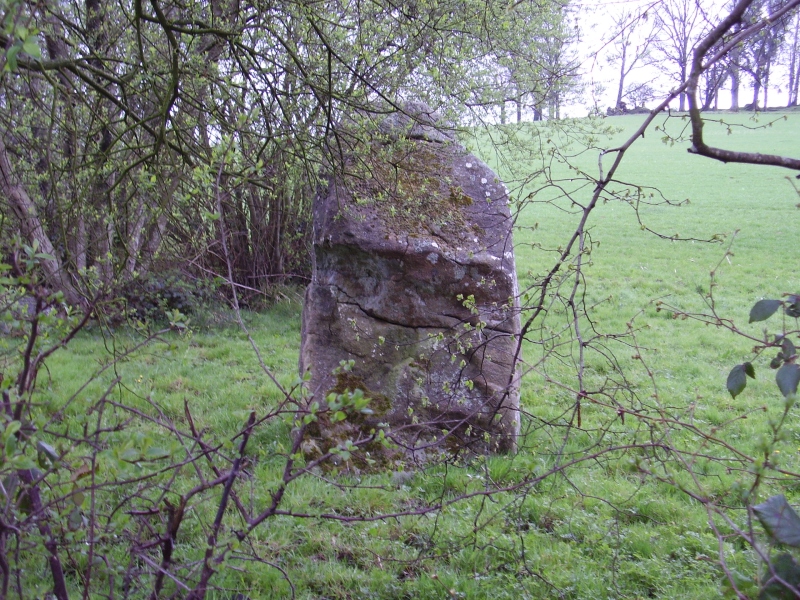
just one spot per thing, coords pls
(734, 70)
(631, 37)
(680, 23)
(529, 62)
(521, 61)
(560, 68)
(713, 79)
(759, 53)
(793, 51)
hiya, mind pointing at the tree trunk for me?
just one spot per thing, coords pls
(68, 223)
(103, 238)
(796, 85)
(100, 199)
(756, 92)
(154, 242)
(135, 238)
(78, 247)
(682, 101)
(794, 72)
(621, 75)
(734, 74)
(31, 227)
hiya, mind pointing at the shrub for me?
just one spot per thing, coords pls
(154, 296)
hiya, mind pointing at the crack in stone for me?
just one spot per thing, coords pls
(373, 315)
(459, 321)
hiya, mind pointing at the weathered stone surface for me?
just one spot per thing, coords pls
(414, 280)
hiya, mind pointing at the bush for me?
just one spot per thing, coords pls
(153, 297)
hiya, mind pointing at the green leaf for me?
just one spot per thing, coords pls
(737, 380)
(31, 47)
(21, 463)
(12, 429)
(154, 453)
(749, 370)
(779, 520)
(764, 309)
(788, 348)
(10, 485)
(11, 58)
(741, 583)
(785, 567)
(11, 446)
(47, 450)
(131, 455)
(75, 520)
(787, 378)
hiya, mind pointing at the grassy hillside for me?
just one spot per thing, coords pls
(607, 528)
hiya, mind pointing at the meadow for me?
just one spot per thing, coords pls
(611, 527)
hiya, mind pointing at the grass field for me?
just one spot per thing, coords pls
(605, 529)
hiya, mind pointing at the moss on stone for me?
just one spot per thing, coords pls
(458, 197)
(409, 184)
(348, 381)
(323, 435)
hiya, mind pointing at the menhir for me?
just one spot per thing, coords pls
(414, 292)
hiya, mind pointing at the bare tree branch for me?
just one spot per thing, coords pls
(699, 67)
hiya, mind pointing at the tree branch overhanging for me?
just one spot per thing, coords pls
(702, 50)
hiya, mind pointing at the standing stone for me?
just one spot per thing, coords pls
(414, 282)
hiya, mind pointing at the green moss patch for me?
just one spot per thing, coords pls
(353, 433)
(410, 184)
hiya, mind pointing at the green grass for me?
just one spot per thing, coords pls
(605, 529)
